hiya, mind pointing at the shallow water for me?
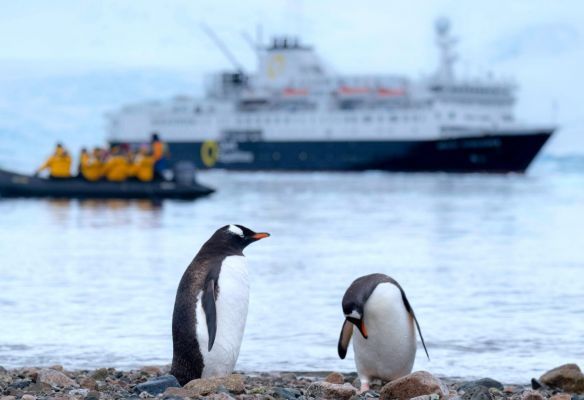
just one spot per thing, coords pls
(493, 266)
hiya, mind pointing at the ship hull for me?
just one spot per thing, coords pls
(496, 153)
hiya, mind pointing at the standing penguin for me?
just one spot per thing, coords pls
(211, 306)
(376, 307)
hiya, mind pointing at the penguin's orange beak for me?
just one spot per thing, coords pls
(363, 330)
(260, 235)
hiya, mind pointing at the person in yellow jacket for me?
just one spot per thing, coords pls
(90, 166)
(116, 168)
(143, 165)
(58, 164)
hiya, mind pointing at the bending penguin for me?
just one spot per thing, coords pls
(378, 312)
(211, 306)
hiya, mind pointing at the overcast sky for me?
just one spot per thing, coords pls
(539, 43)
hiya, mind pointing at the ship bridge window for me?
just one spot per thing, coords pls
(366, 118)
(197, 110)
(452, 115)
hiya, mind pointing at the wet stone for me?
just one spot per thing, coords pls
(286, 393)
(157, 385)
(20, 383)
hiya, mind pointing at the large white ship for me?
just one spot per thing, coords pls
(295, 114)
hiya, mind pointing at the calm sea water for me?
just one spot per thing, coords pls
(493, 266)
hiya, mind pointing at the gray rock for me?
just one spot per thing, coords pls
(477, 392)
(485, 382)
(286, 393)
(100, 374)
(79, 392)
(433, 396)
(158, 385)
(92, 395)
(20, 383)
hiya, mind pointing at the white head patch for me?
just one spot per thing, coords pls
(235, 230)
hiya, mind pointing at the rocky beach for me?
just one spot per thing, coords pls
(562, 383)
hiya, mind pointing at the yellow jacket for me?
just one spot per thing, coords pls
(59, 165)
(143, 168)
(91, 168)
(116, 168)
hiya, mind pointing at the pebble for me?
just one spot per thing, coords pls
(433, 396)
(286, 393)
(327, 390)
(100, 374)
(8, 398)
(485, 382)
(88, 383)
(157, 385)
(335, 377)
(561, 396)
(531, 395)
(79, 392)
(201, 387)
(415, 384)
(28, 397)
(567, 377)
(55, 378)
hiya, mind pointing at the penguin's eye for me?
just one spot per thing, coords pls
(236, 230)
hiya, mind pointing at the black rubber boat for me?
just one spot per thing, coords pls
(18, 185)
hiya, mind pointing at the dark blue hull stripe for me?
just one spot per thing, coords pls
(492, 153)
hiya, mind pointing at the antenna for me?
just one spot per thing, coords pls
(248, 39)
(219, 43)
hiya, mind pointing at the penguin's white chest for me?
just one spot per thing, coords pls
(231, 305)
(389, 351)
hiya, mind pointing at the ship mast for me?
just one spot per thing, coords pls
(445, 42)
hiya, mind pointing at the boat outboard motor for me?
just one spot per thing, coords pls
(184, 173)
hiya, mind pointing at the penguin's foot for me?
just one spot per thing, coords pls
(364, 387)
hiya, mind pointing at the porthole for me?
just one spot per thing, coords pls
(276, 156)
(303, 156)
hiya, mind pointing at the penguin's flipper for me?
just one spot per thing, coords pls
(344, 339)
(210, 311)
(411, 311)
